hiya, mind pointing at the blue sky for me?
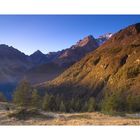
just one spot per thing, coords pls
(29, 33)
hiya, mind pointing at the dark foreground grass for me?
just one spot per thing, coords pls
(23, 114)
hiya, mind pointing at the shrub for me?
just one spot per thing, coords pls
(23, 113)
(2, 97)
(133, 71)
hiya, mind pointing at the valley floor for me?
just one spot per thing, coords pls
(73, 119)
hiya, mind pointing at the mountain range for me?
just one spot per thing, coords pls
(91, 67)
(112, 67)
(39, 67)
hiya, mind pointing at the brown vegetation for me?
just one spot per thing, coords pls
(93, 118)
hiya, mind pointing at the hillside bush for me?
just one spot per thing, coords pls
(133, 71)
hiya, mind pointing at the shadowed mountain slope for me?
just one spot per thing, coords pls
(57, 62)
(38, 67)
(13, 64)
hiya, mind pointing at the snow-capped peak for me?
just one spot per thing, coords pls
(103, 38)
(107, 35)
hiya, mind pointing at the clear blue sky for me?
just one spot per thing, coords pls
(29, 33)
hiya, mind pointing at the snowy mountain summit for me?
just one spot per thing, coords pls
(103, 38)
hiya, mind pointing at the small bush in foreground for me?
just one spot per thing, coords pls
(24, 113)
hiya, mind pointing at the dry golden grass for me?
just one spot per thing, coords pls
(73, 119)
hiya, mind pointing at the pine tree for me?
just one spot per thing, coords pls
(116, 102)
(36, 99)
(49, 103)
(46, 101)
(133, 103)
(91, 104)
(77, 105)
(62, 107)
(58, 99)
(85, 107)
(52, 103)
(72, 105)
(23, 94)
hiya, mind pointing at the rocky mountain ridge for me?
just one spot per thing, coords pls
(39, 67)
(112, 67)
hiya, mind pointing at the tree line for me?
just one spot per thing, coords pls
(119, 101)
(27, 96)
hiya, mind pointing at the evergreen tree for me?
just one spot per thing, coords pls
(49, 103)
(91, 104)
(85, 107)
(36, 99)
(71, 105)
(77, 104)
(46, 101)
(23, 94)
(116, 102)
(58, 99)
(62, 107)
(52, 103)
(133, 103)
